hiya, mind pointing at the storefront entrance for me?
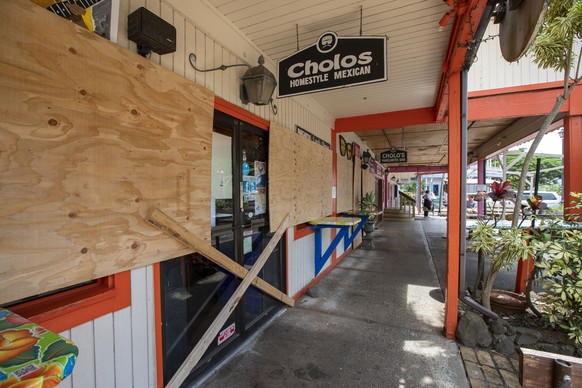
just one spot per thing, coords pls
(194, 290)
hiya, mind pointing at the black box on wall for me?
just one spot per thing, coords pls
(150, 32)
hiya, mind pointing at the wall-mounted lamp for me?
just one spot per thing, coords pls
(259, 85)
(393, 179)
(258, 82)
(366, 156)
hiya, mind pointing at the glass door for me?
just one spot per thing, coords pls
(194, 290)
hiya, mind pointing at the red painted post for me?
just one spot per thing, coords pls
(453, 207)
(572, 158)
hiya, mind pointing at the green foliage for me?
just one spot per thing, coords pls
(559, 255)
(561, 29)
(368, 201)
(562, 280)
(482, 238)
(503, 246)
(546, 177)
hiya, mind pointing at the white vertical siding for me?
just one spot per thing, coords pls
(117, 350)
(142, 328)
(301, 254)
(122, 348)
(491, 71)
(104, 349)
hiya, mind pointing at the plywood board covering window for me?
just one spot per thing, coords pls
(345, 168)
(368, 182)
(357, 184)
(92, 136)
(299, 177)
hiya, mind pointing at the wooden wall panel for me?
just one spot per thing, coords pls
(92, 136)
(281, 171)
(299, 177)
(368, 182)
(357, 185)
(345, 184)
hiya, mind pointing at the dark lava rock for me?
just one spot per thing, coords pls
(503, 344)
(472, 331)
(498, 327)
(527, 336)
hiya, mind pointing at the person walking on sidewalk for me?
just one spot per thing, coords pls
(426, 202)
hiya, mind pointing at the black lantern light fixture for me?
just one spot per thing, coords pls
(258, 82)
(258, 85)
(366, 156)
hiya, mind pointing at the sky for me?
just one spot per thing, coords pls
(550, 144)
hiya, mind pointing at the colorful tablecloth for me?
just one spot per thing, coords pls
(32, 356)
(340, 221)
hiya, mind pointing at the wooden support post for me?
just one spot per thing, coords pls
(537, 368)
(177, 231)
(198, 351)
(454, 232)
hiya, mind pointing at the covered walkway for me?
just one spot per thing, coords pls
(377, 321)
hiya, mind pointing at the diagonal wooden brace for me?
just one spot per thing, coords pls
(198, 351)
(177, 231)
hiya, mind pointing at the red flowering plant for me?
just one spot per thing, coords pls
(501, 192)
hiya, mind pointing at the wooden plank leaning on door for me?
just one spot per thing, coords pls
(177, 231)
(198, 351)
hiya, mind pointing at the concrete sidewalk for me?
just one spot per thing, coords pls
(377, 322)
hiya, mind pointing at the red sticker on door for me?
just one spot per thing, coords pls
(226, 333)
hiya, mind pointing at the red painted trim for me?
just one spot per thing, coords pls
(469, 21)
(524, 270)
(572, 159)
(422, 169)
(514, 104)
(453, 207)
(239, 113)
(468, 16)
(71, 308)
(158, 326)
(301, 292)
(402, 118)
(516, 89)
(302, 230)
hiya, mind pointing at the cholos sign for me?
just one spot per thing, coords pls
(393, 156)
(333, 62)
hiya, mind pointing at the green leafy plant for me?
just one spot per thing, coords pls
(503, 246)
(559, 261)
(562, 281)
(368, 202)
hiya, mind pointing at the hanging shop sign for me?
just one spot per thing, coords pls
(333, 62)
(394, 156)
(312, 137)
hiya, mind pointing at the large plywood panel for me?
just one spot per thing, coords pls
(299, 177)
(345, 181)
(281, 174)
(357, 185)
(92, 136)
(368, 182)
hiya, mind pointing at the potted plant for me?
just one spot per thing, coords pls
(368, 204)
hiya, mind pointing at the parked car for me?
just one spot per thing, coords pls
(553, 200)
